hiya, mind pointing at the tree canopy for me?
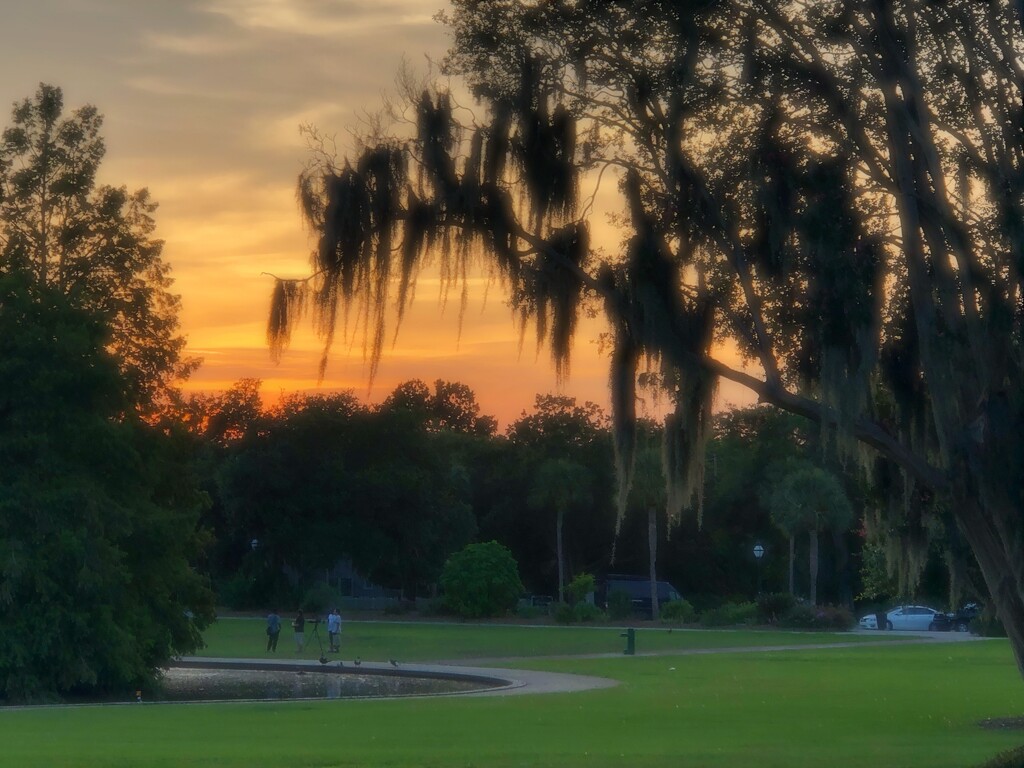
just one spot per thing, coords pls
(834, 186)
(92, 242)
(98, 516)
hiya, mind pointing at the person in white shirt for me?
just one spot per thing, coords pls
(334, 630)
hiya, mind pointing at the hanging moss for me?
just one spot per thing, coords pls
(625, 359)
(287, 305)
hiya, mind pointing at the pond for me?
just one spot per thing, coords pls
(192, 684)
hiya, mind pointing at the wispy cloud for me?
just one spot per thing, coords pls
(319, 18)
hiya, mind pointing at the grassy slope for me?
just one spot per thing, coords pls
(893, 706)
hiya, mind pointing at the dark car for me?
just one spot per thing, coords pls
(961, 620)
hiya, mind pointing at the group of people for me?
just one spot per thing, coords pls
(299, 625)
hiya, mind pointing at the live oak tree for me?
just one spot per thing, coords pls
(834, 186)
(92, 242)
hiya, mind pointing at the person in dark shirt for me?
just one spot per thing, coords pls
(273, 630)
(299, 625)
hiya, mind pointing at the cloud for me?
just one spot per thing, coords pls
(321, 18)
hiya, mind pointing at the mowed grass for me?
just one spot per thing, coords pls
(894, 705)
(420, 641)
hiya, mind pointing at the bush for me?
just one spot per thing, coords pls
(526, 611)
(729, 614)
(481, 580)
(578, 589)
(986, 624)
(821, 617)
(587, 612)
(773, 606)
(677, 611)
(319, 598)
(564, 613)
(620, 605)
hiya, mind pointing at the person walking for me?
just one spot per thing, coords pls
(273, 630)
(334, 630)
(299, 625)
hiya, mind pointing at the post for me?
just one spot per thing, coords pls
(630, 635)
(758, 554)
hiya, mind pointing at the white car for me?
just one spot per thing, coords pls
(917, 617)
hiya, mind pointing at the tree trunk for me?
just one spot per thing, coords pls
(814, 567)
(652, 545)
(995, 556)
(792, 564)
(561, 557)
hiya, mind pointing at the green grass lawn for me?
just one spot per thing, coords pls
(894, 705)
(381, 640)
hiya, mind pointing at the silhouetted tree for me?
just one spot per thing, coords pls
(93, 243)
(766, 150)
(98, 513)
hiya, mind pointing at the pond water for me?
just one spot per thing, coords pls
(185, 684)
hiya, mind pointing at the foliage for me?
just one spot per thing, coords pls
(481, 580)
(678, 612)
(877, 583)
(581, 586)
(564, 613)
(729, 614)
(772, 607)
(319, 598)
(324, 478)
(98, 514)
(821, 617)
(620, 605)
(92, 243)
(834, 187)
(587, 612)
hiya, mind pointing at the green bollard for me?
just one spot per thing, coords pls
(630, 635)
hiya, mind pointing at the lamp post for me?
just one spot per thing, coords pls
(758, 554)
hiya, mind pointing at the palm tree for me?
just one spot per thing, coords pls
(808, 499)
(560, 484)
(649, 492)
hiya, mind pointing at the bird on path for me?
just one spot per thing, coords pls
(393, 662)
(341, 663)
(358, 661)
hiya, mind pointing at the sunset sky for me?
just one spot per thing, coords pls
(202, 101)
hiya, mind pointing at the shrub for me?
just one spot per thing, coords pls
(526, 611)
(987, 624)
(587, 612)
(564, 613)
(481, 580)
(677, 611)
(820, 617)
(772, 606)
(729, 614)
(620, 605)
(318, 598)
(578, 589)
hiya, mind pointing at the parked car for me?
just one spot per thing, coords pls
(961, 620)
(906, 617)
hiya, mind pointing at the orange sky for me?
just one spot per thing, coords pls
(202, 100)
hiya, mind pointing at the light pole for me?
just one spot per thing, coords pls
(758, 554)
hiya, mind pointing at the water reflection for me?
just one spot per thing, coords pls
(181, 684)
